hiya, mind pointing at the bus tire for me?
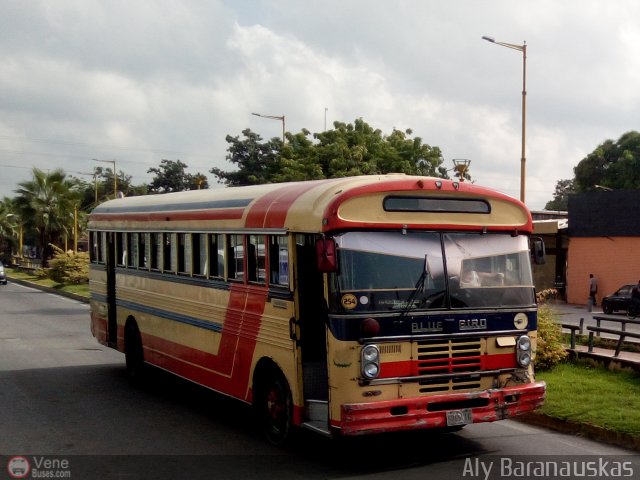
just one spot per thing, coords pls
(133, 351)
(274, 405)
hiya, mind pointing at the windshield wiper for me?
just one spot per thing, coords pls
(419, 287)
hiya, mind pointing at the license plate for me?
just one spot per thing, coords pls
(459, 417)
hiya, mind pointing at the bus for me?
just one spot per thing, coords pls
(347, 306)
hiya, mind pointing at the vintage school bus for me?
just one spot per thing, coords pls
(348, 306)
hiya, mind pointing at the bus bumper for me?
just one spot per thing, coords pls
(431, 411)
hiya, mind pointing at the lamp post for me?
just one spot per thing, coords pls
(115, 176)
(273, 117)
(521, 48)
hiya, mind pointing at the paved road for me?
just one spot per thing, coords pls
(572, 314)
(65, 397)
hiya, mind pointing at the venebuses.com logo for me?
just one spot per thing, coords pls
(18, 467)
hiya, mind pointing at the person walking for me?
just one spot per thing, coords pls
(634, 308)
(593, 289)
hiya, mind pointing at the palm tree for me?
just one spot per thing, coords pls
(46, 202)
(8, 226)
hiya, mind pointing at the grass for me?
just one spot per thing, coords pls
(82, 289)
(585, 392)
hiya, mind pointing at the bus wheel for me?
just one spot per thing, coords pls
(133, 352)
(274, 406)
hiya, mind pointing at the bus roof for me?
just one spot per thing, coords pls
(390, 201)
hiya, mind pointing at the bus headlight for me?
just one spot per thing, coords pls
(370, 361)
(523, 352)
(524, 343)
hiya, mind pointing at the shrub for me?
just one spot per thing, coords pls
(550, 350)
(69, 267)
(41, 273)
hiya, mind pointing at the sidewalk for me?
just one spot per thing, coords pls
(573, 314)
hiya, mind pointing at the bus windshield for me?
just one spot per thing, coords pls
(395, 271)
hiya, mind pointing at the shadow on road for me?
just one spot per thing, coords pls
(168, 424)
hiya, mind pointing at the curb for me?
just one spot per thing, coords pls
(585, 430)
(73, 296)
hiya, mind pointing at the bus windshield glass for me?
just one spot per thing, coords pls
(394, 271)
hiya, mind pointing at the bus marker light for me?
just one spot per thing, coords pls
(370, 327)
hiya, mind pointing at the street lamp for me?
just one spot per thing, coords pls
(521, 48)
(115, 176)
(273, 117)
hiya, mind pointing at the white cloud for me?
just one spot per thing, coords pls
(149, 80)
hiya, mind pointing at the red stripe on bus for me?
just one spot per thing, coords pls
(227, 214)
(228, 371)
(410, 368)
(270, 211)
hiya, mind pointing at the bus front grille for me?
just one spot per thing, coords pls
(454, 364)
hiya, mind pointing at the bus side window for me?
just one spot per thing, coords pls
(220, 254)
(155, 254)
(183, 253)
(279, 260)
(142, 250)
(93, 251)
(216, 255)
(102, 247)
(167, 254)
(235, 257)
(132, 245)
(121, 249)
(256, 259)
(199, 254)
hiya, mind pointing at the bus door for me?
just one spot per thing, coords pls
(112, 320)
(313, 341)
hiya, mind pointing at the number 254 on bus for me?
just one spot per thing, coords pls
(347, 306)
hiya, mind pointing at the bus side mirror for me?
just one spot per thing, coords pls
(538, 251)
(326, 260)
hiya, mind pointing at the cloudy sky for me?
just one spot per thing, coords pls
(137, 81)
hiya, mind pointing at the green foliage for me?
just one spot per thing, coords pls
(46, 205)
(41, 273)
(255, 160)
(560, 201)
(172, 177)
(614, 165)
(347, 150)
(69, 267)
(550, 350)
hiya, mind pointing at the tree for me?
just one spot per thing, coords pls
(9, 226)
(101, 187)
(560, 200)
(46, 204)
(256, 161)
(614, 165)
(347, 150)
(172, 177)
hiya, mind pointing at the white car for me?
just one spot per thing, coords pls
(3, 275)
